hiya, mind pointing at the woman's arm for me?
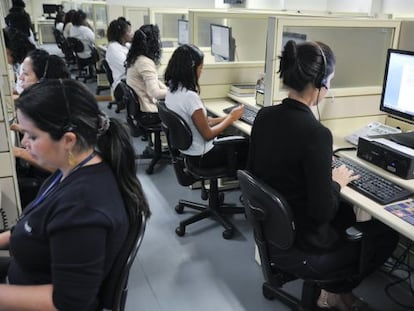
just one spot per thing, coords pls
(26, 298)
(4, 239)
(209, 132)
(215, 120)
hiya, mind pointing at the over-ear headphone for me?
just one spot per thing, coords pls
(321, 81)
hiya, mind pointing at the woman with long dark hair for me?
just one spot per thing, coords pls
(142, 64)
(65, 242)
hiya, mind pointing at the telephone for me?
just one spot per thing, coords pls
(370, 130)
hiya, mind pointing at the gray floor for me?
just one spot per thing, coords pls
(202, 271)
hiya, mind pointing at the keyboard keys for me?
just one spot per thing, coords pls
(249, 113)
(373, 186)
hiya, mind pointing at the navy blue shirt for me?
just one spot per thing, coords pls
(71, 238)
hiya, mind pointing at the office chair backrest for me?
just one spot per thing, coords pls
(267, 211)
(114, 290)
(75, 44)
(59, 38)
(179, 136)
(108, 71)
(179, 133)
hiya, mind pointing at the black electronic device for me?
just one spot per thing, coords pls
(233, 1)
(393, 160)
(249, 113)
(372, 185)
(50, 9)
(397, 98)
(222, 43)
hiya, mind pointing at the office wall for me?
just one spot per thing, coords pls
(165, 3)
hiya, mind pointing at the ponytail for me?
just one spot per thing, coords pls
(117, 150)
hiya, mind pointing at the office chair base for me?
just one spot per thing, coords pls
(206, 211)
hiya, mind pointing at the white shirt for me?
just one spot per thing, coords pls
(185, 103)
(115, 55)
(86, 35)
(66, 29)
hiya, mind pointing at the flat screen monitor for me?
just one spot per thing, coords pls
(49, 9)
(222, 42)
(183, 32)
(397, 98)
(297, 37)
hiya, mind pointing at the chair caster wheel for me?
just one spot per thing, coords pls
(221, 198)
(179, 209)
(267, 293)
(228, 234)
(180, 231)
(149, 170)
(204, 194)
(109, 105)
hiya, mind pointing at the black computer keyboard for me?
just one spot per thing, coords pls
(372, 185)
(249, 113)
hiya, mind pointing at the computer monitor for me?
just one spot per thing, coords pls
(222, 43)
(183, 32)
(397, 98)
(49, 9)
(297, 37)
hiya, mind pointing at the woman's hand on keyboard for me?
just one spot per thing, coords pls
(237, 112)
(343, 176)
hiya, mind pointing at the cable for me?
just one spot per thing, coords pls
(400, 265)
(344, 149)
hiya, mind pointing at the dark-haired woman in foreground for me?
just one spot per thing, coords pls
(292, 152)
(65, 242)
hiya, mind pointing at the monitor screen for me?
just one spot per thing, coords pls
(297, 37)
(183, 32)
(49, 8)
(222, 42)
(397, 98)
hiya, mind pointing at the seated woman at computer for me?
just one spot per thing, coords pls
(81, 30)
(142, 61)
(119, 37)
(66, 242)
(182, 74)
(292, 152)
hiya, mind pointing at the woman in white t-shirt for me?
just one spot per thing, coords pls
(119, 36)
(182, 75)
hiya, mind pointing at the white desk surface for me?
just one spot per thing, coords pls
(339, 128)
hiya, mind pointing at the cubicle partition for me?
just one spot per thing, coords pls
(360, 47)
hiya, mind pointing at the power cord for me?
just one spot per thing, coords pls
(400, 264)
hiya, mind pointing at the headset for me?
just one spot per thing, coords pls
(321, 80)
(69, 127)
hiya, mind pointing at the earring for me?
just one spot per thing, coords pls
(71, 159)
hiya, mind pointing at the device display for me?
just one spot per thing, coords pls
(397, 98)
(183, 32)
(49, 9)
(222, 43)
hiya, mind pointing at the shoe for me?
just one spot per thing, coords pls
(331, 301)
(355, 303)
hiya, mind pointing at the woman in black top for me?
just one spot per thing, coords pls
(292, 152)
(65, 242)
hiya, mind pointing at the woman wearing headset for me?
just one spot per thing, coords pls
(292, 152)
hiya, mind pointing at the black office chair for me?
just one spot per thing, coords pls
(273, 224)
(179, 137)
(86, 66)
(114, 289)
(63, 45)
(118, 102)
(138, 126)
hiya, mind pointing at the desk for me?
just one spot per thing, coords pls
(340, 128)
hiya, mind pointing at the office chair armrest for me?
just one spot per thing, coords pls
(228, 140)
(354, 233)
